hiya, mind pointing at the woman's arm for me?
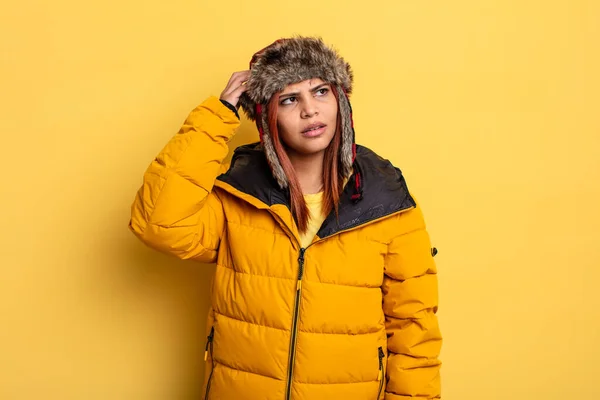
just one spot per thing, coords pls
(175, 210)
(410, 303)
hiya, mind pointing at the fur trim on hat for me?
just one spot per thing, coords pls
(289, 61)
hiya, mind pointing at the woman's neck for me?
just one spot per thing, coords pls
(309, 170)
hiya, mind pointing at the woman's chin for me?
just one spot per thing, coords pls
(314, 148)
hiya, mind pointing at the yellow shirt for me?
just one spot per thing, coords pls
(314, 202)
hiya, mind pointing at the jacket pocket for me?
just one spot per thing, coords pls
(381, 376)
(209, 349)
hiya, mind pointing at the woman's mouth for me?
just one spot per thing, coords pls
(314, 131)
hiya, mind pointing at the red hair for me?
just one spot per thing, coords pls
(332, 180)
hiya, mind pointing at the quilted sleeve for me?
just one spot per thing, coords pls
(410, 303)
(175, 210)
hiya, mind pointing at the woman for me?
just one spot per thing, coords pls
(325, 286)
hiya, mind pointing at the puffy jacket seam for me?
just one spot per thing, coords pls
(224, 216)
(416, 358)
(378, 241)
(340, 334)
(303, 331)
(148, 221)
(222, 114)
(250, 323)
(343, 284)
(387, 276)
(217, 361)
(197, 234)
(255, 227)
(418, 229)
(426, 311)
(221, 265)
(176, 172)
(333, 383)
(198, 125)
(247, 273)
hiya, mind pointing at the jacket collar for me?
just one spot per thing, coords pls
(384, 190)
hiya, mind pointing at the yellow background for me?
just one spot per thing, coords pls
(491, 109)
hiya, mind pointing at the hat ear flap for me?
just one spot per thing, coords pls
(269, 149)
(246, 103)
(348, 148)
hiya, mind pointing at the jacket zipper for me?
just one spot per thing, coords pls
(381, 376)
(292, 357)
(209, 345)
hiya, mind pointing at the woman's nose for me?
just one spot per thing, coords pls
(309, 108)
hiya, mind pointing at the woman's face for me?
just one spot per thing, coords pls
(307, 117)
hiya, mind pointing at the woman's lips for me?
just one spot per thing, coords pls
(314, 132)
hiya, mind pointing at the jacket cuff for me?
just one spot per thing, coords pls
(231, 107)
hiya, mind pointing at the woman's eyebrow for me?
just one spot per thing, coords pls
(312, 90)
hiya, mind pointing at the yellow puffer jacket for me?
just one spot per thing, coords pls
(351, 317)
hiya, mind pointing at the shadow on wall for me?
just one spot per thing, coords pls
(177, 292)
(174, 294)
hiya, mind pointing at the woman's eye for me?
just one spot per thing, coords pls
(287, 101)
(323, 91)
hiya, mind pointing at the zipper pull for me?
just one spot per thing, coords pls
(210, 339)
(300, 269)
(301, 257)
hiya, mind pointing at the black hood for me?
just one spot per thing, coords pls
(383, 187)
